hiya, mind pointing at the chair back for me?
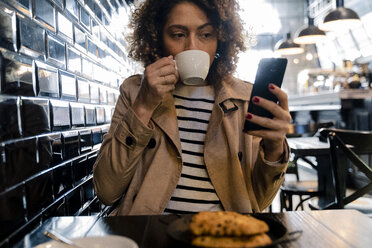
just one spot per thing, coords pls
(348, 145)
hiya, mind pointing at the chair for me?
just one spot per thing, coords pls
(348, 145)
(301, 188)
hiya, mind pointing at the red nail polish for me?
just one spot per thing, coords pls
(272, 87)
(248, 116)
(256, 99)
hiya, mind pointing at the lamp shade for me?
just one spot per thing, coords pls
(340, 18)
(288, 47)
(309, 35)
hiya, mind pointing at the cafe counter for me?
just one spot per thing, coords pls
(348, 109)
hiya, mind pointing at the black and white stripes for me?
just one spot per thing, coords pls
(194, 192)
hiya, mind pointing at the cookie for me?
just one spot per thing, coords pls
(225, 223)
(261, 239)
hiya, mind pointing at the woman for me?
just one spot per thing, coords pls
(173, 148)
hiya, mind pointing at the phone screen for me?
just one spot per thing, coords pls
(270, 70)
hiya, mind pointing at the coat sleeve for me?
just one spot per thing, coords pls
(268, 176)
(120, 151)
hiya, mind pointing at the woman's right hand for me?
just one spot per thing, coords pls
(159, 78)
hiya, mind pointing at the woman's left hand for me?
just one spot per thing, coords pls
(277, 128)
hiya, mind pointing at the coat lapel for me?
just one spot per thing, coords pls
(218, 153)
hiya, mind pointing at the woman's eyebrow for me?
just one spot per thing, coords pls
(179, 26)
(205, 25)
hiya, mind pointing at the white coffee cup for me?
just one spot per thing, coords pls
(193, 66)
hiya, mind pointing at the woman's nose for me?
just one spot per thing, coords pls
(192, 43)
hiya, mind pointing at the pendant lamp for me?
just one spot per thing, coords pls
(340, 18)
(288, 47)
(309, 35)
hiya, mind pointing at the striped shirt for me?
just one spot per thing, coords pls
(194, 191)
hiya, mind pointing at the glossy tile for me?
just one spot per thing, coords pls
(85, 140)
(68, 86)
(95, 29)
(18, 78)
(104, 130)
(31, 38)
(83, 90)
(90, 115)
(84, 18)
(35, 116)
(65, 26)
(80, 170)
(47, 80)
(108, 113)
(100, 112)
(94, 93)
(10, 127)
(88, 189)
(70, 140)
(8, 28)
(72, 7)
(12, 214)
(96, 135)
(61, 115)
(77, 114)
(62, 179)
(56, 52)
(20, 161)
(50, 149)
(87, 67)
(92, 48)
(39, 193)
(44, 11)
(103, 95)
(24, 3)
(79, 39)
(111, 98)
(73, 60)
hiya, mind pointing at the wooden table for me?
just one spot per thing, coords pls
(327, 228)
(312, 146)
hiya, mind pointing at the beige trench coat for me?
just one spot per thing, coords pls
(140, 165)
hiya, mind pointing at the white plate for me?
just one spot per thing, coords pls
(112, 241)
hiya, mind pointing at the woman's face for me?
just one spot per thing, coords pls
(188, 28)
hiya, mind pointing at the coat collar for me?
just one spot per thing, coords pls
(229, 90)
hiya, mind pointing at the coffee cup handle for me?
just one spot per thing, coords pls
(175, 64)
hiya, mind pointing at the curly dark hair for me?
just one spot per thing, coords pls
(146, 44)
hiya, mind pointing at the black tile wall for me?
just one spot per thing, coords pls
(57, 97)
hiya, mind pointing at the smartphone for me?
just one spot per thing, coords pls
(270, 70)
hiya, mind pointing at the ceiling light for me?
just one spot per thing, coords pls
(309, 35)
(340, 18)
(288, 47)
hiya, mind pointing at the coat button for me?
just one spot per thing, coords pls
(129, 140)
(152, 143)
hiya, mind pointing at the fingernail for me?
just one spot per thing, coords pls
(256, 99)
(272, 87)
(249, 116)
